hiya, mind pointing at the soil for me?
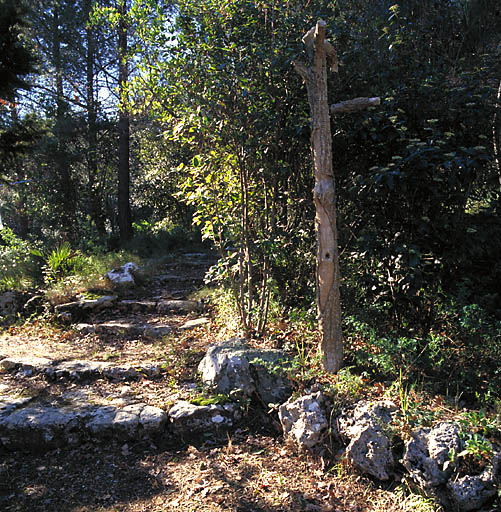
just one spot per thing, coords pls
(254, 469)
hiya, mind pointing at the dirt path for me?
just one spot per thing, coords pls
(252, 470)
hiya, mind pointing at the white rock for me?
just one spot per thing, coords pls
(304, 420)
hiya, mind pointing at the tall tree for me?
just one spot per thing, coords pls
(17, 61)
(124, 213)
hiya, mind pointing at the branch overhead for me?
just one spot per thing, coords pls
(354, 105)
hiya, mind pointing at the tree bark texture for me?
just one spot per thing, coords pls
(66, 218)
(95, 205)
(354, 105)
(124, 214)
(324, 197)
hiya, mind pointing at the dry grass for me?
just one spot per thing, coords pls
(254, 473)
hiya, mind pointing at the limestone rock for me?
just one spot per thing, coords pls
(183, 306)
(193, 324)
(41, 427)
(304, 420)
(80, 370)
(79, 308)
(76, 370)
(137, 306)
(428, 451)
(235, 366)
(364, 413)
(472, 492)
(369, 448)
(123, 277)
(130, 329)
(188, 420)
(370, 452)
(27, 365)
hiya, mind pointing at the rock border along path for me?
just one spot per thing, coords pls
(38, 424)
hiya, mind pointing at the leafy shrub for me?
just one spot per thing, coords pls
(62, 262)
(18, 267)
(458, 353)
(150, 239)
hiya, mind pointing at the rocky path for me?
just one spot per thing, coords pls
(109, 376)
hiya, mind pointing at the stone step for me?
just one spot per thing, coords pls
(160, 305)
(126, 328)
(30, 425)
(193, 324)
(80, 370)
(170, 278)
(40, 427)
(84, 308)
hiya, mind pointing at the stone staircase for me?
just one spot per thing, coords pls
(48, 403)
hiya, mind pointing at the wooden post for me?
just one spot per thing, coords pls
(321, 52)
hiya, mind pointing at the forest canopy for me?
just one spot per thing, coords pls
(142, 117)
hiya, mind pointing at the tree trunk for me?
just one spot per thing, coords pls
(95, 207)
(324, 196)
(495, 133)
(124, 214)
(60, 158)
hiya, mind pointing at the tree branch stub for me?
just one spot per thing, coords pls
(354, 105)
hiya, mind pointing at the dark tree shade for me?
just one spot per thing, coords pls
(16, 59)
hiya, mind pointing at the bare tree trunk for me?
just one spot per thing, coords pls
(495, 133)
(324, 196)
(61, 164)
(95, 206)
(124, 214)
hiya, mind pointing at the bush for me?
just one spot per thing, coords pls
(18, 262)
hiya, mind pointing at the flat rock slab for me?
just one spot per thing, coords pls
(42, 427)
(138, 306)
(183, 306)
(9, 404)
(87, 305)
(80, 369)
(126, 328)
(159, 306)
(188, 420)
(27, 365)
(192, 324)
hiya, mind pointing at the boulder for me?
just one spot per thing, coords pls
(427, 453)
(304, 420)
(123, 277)
(363, 427)
(472, 492)
(234, 366)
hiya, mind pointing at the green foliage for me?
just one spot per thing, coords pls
(218, 399)
(155, 239)
(17, 261)
(62, 262)
(458, 354)
(16, 56)
(476, 427)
